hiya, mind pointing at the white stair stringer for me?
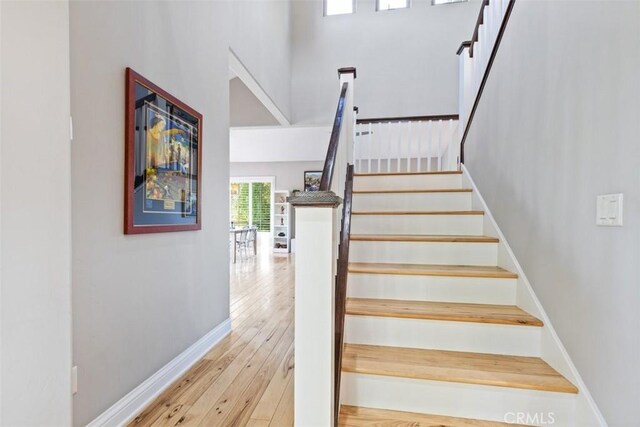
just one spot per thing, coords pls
(443, 335)
(552, 349)
(447, 253)
(457, 399)
(440, 201)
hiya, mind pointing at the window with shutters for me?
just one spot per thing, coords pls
(250, 204)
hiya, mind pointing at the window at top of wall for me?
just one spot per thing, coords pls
(339, 7)
(392, 4)
(437, 2)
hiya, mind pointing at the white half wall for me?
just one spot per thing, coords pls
(279, 144)
(35, 218)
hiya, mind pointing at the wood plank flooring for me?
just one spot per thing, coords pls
(247, 379)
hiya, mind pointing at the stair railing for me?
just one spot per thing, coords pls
(341, 287)
(407, 144)
(476, 58)
(320, 279)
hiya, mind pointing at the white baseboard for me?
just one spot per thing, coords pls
(587, 411)
(137, 399)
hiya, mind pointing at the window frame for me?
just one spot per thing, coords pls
(250, 180)
(408, 6)
(443, 2)
(324, 9)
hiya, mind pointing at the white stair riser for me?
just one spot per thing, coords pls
(500, 404)
(407, 182)
(417, 224)
(412, 202)
(444, 335)
(433, 288)
(450, 253)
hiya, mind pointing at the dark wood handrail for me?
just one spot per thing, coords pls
(341, 287)
(408, 119)
(483, 83)
(332, 151)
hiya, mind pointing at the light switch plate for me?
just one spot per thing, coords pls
(609, 210)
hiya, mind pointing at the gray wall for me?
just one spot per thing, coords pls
(139, 301)
(35, 218)
(405, 59)
(289, 175)
(559, 123)
(245, 109)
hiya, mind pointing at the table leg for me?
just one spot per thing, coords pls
(234, 248)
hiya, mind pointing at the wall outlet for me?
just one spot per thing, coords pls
(609, 210)
(74, 380)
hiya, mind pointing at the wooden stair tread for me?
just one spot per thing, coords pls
(355, 416)
(431, 270)
(416, 190)
(498, 370)
(422, 238)
(430, 310)
(407, 173)
(417, 213)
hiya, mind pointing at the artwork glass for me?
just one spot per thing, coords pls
(163, 160)
(312, 180)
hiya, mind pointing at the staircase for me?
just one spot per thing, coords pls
(433, 335)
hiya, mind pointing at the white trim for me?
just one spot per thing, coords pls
(137, 399)
(558, 355)
(252, 84)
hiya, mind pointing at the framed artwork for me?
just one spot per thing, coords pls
(312, 180)
(163, 159)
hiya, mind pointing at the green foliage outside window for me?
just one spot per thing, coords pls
(258, 212)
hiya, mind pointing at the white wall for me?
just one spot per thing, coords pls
(261, 39)
(279, 144)
(558, 125)
(35, 226)
(405, 59)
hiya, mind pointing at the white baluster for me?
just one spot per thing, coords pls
(418, 139)
(399, 145)
(409, 148)
(379, 146)
(429, 143)
(370, 143)
(439, 145)
(450, 142)
(389, 147)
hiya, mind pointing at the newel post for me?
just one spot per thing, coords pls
(348, 75)
(315, 269)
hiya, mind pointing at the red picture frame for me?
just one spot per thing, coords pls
(162, 180)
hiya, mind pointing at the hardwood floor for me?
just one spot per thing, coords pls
(247, 379)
